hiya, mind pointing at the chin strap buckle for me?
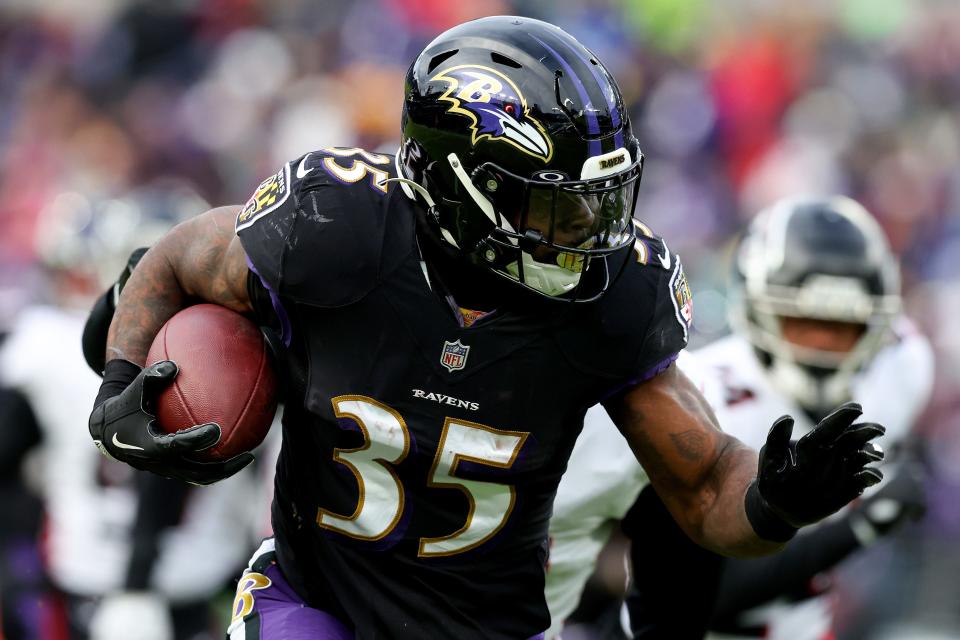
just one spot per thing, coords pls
(530, 241)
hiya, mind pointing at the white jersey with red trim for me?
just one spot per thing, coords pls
(893, 390)
(603, 478)
(89, 500)
(602, 481)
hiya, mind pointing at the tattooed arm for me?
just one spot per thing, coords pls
(198, 260)
(700, 473)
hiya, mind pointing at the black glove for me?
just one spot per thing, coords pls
(804, 481)
(900, 500)
(123, 427)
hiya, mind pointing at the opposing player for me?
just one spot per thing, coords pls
(447, 322)
(91, 503)
(818, 321)
(174, 528)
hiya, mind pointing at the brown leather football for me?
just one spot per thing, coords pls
(225, 377)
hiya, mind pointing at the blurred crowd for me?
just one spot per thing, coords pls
(120, 117)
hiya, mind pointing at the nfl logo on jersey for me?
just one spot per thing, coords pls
(454, 355)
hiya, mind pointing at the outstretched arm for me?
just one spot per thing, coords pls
(751, 582)
(700, 472)
(718, 491)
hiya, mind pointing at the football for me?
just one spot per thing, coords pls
(225, 377)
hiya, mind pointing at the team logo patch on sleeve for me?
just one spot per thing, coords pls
(681, 297)
(270, 194)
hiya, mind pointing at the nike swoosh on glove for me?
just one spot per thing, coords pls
(123, 426)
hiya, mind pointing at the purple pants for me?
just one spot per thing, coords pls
(267, 608)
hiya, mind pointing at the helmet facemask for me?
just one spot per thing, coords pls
(823, 261)
(818, 379)
(543, 232)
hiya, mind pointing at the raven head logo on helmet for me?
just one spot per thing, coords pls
(516, 139)
(495, 107)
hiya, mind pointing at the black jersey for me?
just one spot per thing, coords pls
(417, 474)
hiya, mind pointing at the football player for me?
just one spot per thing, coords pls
(447, 317)
(817, 316)
(818, 322)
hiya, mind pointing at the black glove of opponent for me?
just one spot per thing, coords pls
(123, 426)
(900, 500)
(805, 481)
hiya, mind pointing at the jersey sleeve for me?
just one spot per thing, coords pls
(321, 230)
(638, 328)
(265, 226)
(668, 329)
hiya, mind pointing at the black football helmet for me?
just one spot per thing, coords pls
(516, 137)
(822, 259)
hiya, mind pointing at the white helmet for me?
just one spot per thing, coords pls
(824, 259)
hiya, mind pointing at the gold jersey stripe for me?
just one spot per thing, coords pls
(643, 253)
(644, 229)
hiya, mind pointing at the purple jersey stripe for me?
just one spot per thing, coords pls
(658, 368)
(593, 126)
(285, 329)
(653, 371)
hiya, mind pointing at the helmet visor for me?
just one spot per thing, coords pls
(549, 214)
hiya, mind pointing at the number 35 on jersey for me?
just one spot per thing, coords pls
(386, 442)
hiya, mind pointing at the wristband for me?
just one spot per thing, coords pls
(767, 524)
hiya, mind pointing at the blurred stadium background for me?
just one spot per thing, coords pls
(118, 118)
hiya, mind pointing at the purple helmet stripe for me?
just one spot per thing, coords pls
(593, 126)
(604, 84)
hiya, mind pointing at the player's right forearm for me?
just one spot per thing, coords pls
(152, 296)
(199, 260)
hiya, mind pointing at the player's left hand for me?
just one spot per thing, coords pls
(801, 482)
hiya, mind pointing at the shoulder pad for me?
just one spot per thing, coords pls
(651, 250)
(640, 325)
(327, 227)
